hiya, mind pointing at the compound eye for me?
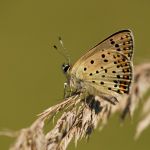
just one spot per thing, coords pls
(65, 68)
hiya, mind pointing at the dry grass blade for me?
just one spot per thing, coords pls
(9, 133)
(52, 111)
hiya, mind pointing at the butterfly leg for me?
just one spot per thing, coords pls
(67, 90)
(84, 94)
(86, 97)
(113, 100)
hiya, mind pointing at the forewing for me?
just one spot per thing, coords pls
(121, 42)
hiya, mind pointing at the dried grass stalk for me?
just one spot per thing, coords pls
(80, 117)
(140, 86)
(145, 119)
(78, 122)
(31, 138)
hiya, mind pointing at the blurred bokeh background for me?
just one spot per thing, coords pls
(31, 78)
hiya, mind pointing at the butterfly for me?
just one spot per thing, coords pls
(106, 70)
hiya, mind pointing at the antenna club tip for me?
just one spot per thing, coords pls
(55, 46)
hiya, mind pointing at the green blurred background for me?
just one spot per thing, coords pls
(30, 70)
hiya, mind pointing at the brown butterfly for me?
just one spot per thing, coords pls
(106, 70)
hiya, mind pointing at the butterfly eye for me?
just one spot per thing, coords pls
(65, 67)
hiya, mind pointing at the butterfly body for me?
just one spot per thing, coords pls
(106, 69)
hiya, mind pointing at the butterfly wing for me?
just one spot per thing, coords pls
(107, 67)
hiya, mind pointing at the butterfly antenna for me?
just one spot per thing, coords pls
(65, 52)
(60, 52)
